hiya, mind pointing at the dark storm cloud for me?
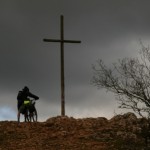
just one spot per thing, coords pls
(108, 29)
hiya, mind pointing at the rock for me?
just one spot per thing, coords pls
(58, 133)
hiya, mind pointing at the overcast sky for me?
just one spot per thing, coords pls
(108, 29)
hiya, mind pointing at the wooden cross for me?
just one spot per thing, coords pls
(62, 41)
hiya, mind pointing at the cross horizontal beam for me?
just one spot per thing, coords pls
(62, 41)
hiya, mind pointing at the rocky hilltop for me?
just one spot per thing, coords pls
(122, 132)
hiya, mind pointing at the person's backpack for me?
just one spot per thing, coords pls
(20, 96)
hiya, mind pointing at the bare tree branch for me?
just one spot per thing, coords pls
(129, 79)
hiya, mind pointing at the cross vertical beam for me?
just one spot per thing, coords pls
(62, 41)
(62, 66)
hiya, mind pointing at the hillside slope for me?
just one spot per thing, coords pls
(122, 132)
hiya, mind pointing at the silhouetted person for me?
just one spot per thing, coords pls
(23, 99)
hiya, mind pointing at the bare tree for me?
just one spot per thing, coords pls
(129, 79)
